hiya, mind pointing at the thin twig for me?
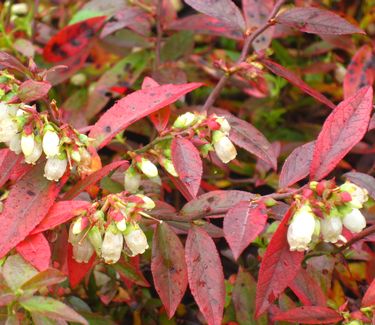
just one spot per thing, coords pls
(368, 231)
(35, 22)
(159, 34)
(245, 50)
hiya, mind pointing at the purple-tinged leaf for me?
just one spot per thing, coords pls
(297, 165)
(317, 21)
(341, 131)
(205, 274)
(309, 315)
(31, 90)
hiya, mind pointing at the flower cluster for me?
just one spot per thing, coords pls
(26, 131)
(207, 133)
(324, 211)
(109, 227)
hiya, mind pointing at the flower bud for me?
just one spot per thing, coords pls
(55, 168)
(95, 239)
(359, 195)
(169, 167)
(76, 156)
(331, 228)
(147, 168)
(224, 124)
(184, 121)
(148, 203)
(112, 246)
(35, 155)
(121, 225)
(79, 79)
(136, 240)
(19, 9)
(14, 144)
(354, 221)
(224, 148)
(83, 251)
(132, 180)
(301, 229)
(51, 143)
(27, 144)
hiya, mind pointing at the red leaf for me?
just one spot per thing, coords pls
(23, 209)
(363, 180)
(168, 267)
(31, 90)
(256, 13)
(296, 81)
(60, 213)
(160, 118)
(205, 274)
(188, 164)
(317, 21)
(134, 107)
(35, 249)
(341, 131)
(309, 315)
(369, 297)
(8, 161)
(93, 178)
(72, 39)
(297, 165)
(246, 136)
(279, 267)
(206, 25)
(121, 20)
(178, 183)
(360, 72)
(224, 10)
(77, 271)
(10, 62)
(242, 224)
(307, 289)
(213, 203)
(131, 272)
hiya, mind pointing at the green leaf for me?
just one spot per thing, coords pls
(176, 46)
(12, 274)
(129, 271)
(52, 308)
(84, 15)
(43, 279)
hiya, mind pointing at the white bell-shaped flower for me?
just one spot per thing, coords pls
(354, 221)
(15, 144)
(51, 142)
(331, 228)
(224, 125)
(112, 246)
(185, 120)
(148, 204)
(121, 225)
(359, 195)
(136, 240)
(132, 180)
(35, 155)
(27, 144)
(224, 148)
(55, 168)
(148, 168)
(8, 129)
(301, 229)
(82, 251)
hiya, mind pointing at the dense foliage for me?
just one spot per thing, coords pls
(187, 162)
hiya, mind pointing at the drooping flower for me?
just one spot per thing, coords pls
(55, 168)
(51, 142)
(136, 240)
(354, 221)
(358, 194)
(147, 168)
(132, 180)
(224, 148)
(185, 120)
(331, 228)
(82, 251)
(112, 246)
(301, 229)
(27, 144)
(35, 155)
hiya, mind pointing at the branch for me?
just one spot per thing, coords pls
(159, 34)
(245, 50)
(363, 234)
